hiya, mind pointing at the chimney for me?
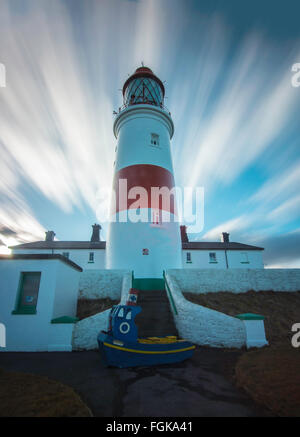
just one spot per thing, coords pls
(225, 237)
(49, 236)
(184, 237)
(96, 233)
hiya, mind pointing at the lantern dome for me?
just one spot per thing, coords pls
(143, 87)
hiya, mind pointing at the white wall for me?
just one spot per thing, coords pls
(236, 280)
(236, 259)
(163, 243)
(133, 129)
(98, 284)
(32, 251)
(66, 291)
(60, 337)
(202, 325)
(57, 296)
(200, 259)
(81, 257)
(86, 330)
(78, 256)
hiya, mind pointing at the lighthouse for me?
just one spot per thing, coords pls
(144, 232)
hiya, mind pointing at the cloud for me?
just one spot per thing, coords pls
(283, 250)
(64, 66)
(282, 184)
(52, 135)
(277, 201)
(235, 225)
(4, 230)
(56, 112)
(48, 124)
(250, 111)
(289, 209)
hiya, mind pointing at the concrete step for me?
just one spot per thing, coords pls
(156, 319)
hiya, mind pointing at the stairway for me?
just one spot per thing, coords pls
(156, 319)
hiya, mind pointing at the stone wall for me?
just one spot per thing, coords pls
(236, 280)
(202, 325)
(86, 330)
(98, 284)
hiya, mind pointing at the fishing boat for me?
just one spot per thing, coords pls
(121, 347)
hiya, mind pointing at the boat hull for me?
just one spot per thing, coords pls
(126, 354)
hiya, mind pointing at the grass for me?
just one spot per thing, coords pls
(270, 375)
(90, 307)
(26, 395)
(281, 309)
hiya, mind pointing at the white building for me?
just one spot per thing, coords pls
(222, 254)
(38, 295)
(195, 254)
(41, 282)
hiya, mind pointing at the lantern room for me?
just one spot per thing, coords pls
(143, 87)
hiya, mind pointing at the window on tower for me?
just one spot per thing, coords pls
(213, 257)
(188, 257)
(143, 90)
(156, 217)
(155, 140)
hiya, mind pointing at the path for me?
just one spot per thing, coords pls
(194, 388)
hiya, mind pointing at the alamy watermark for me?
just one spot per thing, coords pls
(2, 335)
(295, 80)
(155, 205)
(2, 76)
(296, 337)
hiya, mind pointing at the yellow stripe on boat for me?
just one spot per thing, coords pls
(157, 341)
(148, 352)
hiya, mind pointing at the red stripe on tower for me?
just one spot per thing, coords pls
(155, 180)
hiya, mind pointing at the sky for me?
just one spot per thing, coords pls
(226, 67)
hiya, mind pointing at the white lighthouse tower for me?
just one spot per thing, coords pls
(144, 234)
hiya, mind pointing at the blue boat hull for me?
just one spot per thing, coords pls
(126, 354)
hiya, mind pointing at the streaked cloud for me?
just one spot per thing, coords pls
(283, 250)
(284, 183)
(231, 101)
(288, 209)
(252, 109)
(235, 225)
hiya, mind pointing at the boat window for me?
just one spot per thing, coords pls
(128, 315)
(114, 310)
(121, 312)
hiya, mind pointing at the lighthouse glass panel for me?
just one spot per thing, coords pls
(143, 90)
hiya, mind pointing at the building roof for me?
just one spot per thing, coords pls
(41, 256)
(191, 245)
(215, 245)
(61, 245)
